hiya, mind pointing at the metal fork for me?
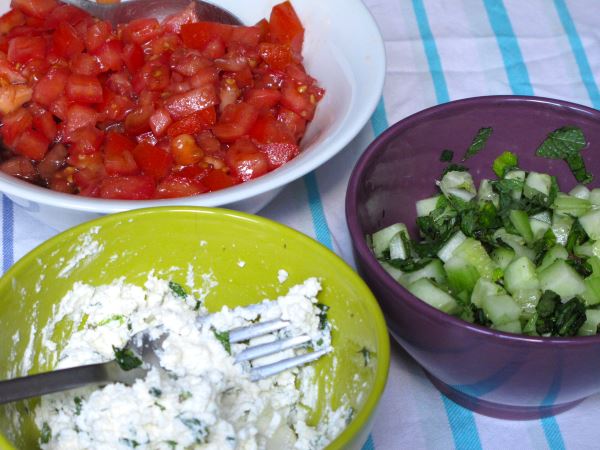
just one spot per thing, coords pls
(144, 347)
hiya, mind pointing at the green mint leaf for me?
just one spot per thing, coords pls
(223, 338)
(562, 143)
(45, 433)
(197, 427)
(126, 358)
(505, 162)
(78, 402)
(172, 444)
(577, 166)
(446, 155)
(130, 442)
(453, 167)
(366, 353)
(156, 392)
(177, 289)
(478, 143)
(323, 309)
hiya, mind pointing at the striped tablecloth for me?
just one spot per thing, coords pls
(437, 50)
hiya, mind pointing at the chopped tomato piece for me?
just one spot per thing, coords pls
(185, 151)
(44, 122)
(115, 107)
(32, 144)
(263, 98)
(246, 161)
(279, 153)
(178, 186)
(85, 140)
(198, 35)
(216, 180)
(163, 44)
(77, 116)
(15, 124)
(267, 130)
(138, 120)
(133, 57)
(54, 160)
(84, 89)
(298, 99)
(65, 14)
(285, 26)
(160, 121)
(19, 166)
(140, 31)
(11, 19)
(109, 55)
(174, 22)
(188, 62)
(97, 34)
(294, 123)
(153, 161)
(118, 156)
(85, 64)
(182, 105)
(65, 41)
(35, 8)
(132, 187)
(236, 121)
(277, 56)
(154, 76)
(194, 123)
(247, 36)
(51, 86)
(13, 96)
(21, 49)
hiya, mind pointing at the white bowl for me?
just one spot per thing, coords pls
(343, 50)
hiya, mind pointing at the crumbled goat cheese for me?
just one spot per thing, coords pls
(198, 397)
(282, 276)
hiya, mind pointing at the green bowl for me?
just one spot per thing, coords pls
(170, 240)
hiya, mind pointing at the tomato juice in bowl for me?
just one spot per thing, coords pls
(180, 144)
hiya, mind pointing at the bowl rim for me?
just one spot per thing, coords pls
(365, 255)
(366, 413)
(271, 181)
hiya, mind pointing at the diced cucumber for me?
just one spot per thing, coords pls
(381, 239)
(434, 270)
(580, 191)
(562, 279)
(538, 228)
(590, 326)
(459, 184)
(427, 291)
(595, 197)
(543, 216)
(502, 256)
(573, 206)
(473, 252)
(556, 252)
(448, 248)
(594, 262)
(561, 227)
(587, 249)
(510, 327)
(462, 276)
(527, 299)
(397, 248)
(536, 184)
(591, 295)
(484, 288)
(426, 206)
(516, 175)
(516, 242)
(590, 222)
(393, 271)
(486, 193)
(520, 220)
(520, 275)
(501, 309)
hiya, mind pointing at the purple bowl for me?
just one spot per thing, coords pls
(494, 373)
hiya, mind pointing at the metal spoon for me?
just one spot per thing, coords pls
(126, 11)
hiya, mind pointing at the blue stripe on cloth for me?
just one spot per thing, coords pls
(461, 420)
(322, 232)
(549, 424)
(8, 218)
(379, 121)
(369, 445)
(579, 52)
(518, 76)
(433, 57)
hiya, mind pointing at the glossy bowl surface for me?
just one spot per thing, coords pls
(183, 243)
(343, 50)
(495, 373)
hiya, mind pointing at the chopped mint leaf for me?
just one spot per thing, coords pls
(177, 289)
(126, 358)
(45, 433)
(130, 442)
(199, 428)
(322, 315)
(172, 444)
(155, 391)
(78, 402)
(566, 143)
(505, 162)
(446, 155)
(223, 338)
(453, 168)
(159, 406)
(184, 395)
(366, 355)
(118, 317)
(350, 415)
(478, 143)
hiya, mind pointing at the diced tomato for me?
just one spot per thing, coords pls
(140, 31)
(279, 153)
(174, 22)
(153, 161)
(50, 87)
(214, 49)
(24, 48)
(32, 144)
(78, 116)
(194, 123)
(246, 161)
(115, 107)
(118, 159)
(65, 41)
(267, 130)
(13, 96)
(85, 64)
(160, 121)
(154, 76)
(216, 180)
(8, 71)
(247, 36)
(298, 99)
(11, 19)
(285, 26)
(204, 76)
(176, 186)
(44, 122)
(166, 43)
(138, 120)
(85, 140)
(198, 35)
(132, 187)
(64, 14)
(14, 124)
(133, 56)
(208, 143)
(19, 166)
(54, 160)
(97, 35)
(188, 62)
(262, 98)
(236, 121)
(228, 93)
(84, 89)
(182, 105)
(35, 8)
(277, 56)
(109, 55)
(185, 151)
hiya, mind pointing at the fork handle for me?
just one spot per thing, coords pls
(64, 379)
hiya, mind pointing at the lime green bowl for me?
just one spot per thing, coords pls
(243, 252)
